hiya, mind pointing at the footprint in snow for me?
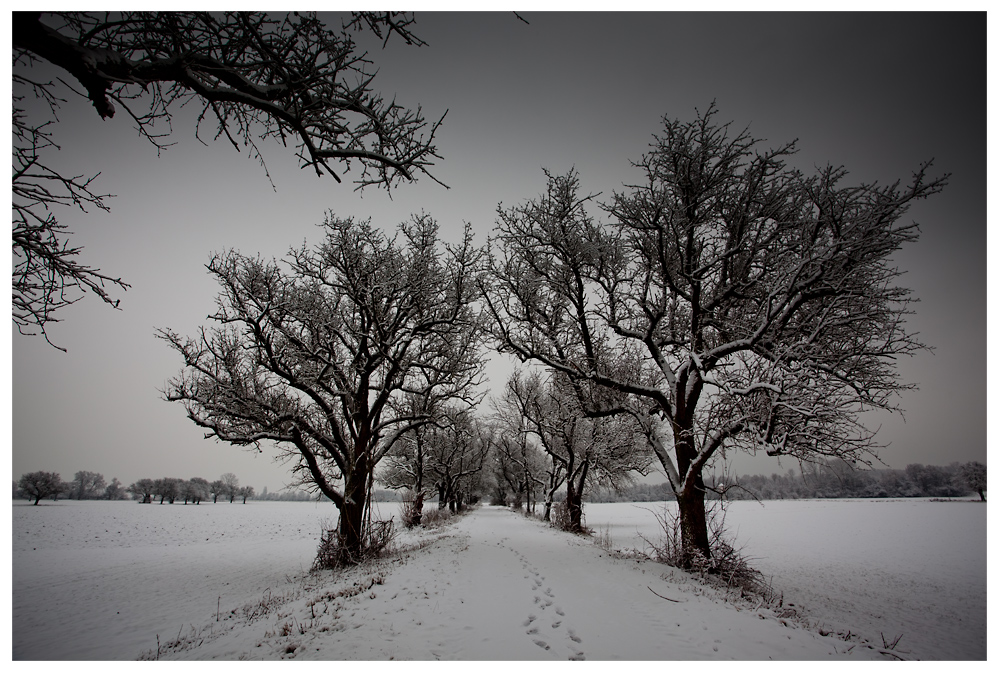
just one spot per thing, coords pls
(557, 623)
(559, 612)
(530, 618)
(542, 644)
(573, 637)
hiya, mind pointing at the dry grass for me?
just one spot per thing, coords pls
(725, 566)
(333, 554)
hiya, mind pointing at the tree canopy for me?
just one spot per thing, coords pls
(730, 300)
(253, 76)
(315, 354)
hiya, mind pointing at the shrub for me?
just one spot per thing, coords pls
(332, 554)
(435, 517)
(560, 515)
(726, 565)
(412, 509)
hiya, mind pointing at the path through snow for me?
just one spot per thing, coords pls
(497, 586)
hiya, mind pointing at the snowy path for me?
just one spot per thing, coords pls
(497, 586)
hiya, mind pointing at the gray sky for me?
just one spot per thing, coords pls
(877, 93)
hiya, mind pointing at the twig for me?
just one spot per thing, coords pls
(673, 600)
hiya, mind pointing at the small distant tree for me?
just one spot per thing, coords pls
(167, 488)
(115, 491)
(246, 492)
(974, 475)
(143, 490)
(87, 485)
(581, 450)
(217, 489)
(456, 451)
(199, 489)
(230, 485)
(38, 485)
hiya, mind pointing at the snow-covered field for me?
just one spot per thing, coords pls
(911, 568)
(105, 580)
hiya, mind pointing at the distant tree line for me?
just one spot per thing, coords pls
(831, 479)
(92, 486)
(194, 490)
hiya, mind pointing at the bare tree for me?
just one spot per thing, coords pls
(230, 485)
(87, 485)
(605, 449)
(168, 488)
(406, 465)
(246, 492)
(115, 491)
(520, 467)
(456, 450)
(216, 489)
(40, 485)
(974, 475)
(731, 302)
(198, 489)
(143, 490)
(312, 358)
(254, 77)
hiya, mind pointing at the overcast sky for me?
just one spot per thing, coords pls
(876, 93)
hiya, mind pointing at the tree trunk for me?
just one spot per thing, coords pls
(693, 523)
(355, 491)
(418, 508)
(574, 507)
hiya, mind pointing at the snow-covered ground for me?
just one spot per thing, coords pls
(105, 580)
(912, 568)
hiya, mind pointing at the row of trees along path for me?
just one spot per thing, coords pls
(728, 302)
(725, 301)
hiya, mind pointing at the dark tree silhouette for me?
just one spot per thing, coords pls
(143, 490)
(87, 485)
(730, 301)
(605, 450)
(40, 485)
(254, 76)
(314, 355)
(974, 476)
